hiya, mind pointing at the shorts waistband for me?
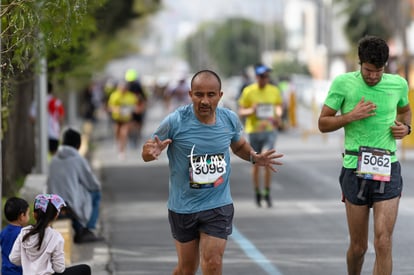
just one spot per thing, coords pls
(354, 153)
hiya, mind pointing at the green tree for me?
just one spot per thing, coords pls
(31, 29)
(115, 28)
(235, 45)
(286, 68)
(387, 19)
(120, 24)
(364, 18)
(70, 31)
(229, 47)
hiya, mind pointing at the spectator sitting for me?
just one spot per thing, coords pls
(72, 178)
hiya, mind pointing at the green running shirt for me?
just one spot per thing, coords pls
(391, 92)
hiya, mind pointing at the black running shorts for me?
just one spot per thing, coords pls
(215, 222)
(358, 192)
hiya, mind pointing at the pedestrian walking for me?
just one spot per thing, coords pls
(16, 211)
(39, 248)
(260, 106)
(374, 111)
(55, 114)
(200, 206)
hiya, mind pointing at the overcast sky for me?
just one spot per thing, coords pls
(178, 18)
(181, 17)
(196, 10)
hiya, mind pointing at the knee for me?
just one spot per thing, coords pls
(184, 270)
(212, 264)
(358, 249)
(382, 243)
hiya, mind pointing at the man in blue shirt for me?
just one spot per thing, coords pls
(198, 137)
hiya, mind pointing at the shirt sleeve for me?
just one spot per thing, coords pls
(404, 101)
(243, 101)
(58, 257)
(335, 97)
(163, 130)
(15, 253)
(88, 178)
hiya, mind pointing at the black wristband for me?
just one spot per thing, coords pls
(252, 159)
(409, 128)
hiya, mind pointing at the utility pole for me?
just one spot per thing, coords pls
(42, 116)
(41, 111)
(327, 34)
(41, 86)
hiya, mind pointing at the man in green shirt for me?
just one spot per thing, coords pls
(374, 112)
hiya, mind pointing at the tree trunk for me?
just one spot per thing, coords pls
(19, 139)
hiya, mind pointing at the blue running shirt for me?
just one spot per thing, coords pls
(199, 159)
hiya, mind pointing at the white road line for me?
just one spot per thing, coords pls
(253, 253)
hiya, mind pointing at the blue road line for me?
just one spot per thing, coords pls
(253, 253)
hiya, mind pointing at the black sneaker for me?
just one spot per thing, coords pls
(259, 199)
(86, 236)
(268, 200)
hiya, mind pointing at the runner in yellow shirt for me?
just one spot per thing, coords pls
(261, 105)
(122, 103)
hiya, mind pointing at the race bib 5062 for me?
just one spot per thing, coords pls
(374, 163)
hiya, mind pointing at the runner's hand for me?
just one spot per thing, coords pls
(155, 146)
(363, 110)
(268, 159)
(399, 130)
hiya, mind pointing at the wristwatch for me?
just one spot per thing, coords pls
(252, 158)
(409, 128)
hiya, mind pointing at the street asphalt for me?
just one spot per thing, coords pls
(303, 233)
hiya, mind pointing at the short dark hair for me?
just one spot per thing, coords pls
(210, 72)
(14, 207)
(373, 50)
(71, 137)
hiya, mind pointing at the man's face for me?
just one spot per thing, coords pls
(205, 94)
(371, 74)
(262, 79)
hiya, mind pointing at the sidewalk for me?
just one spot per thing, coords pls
(95, 254)
(102, 152)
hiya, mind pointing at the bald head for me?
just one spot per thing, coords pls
(205, 75)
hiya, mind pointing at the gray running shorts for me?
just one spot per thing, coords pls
(262, 140)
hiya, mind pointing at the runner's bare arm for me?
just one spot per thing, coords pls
(246, 111)
(402, 123)
(329, 121)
